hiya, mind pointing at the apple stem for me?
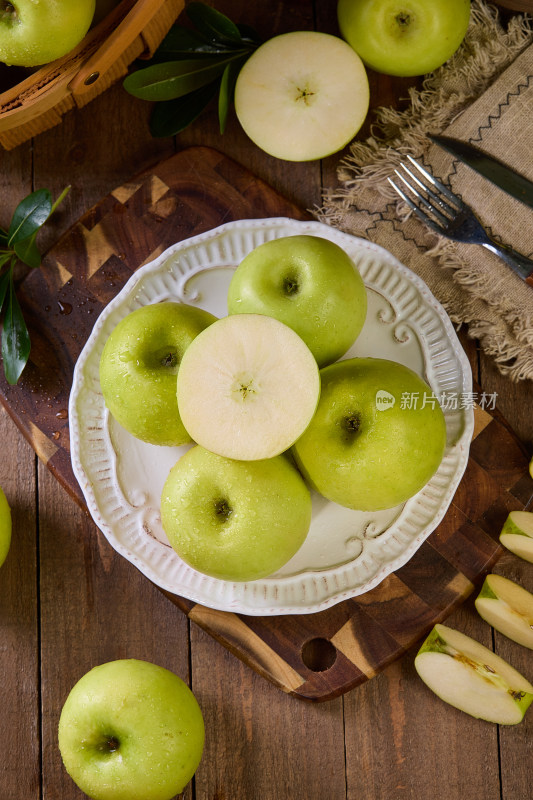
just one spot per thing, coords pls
(109, 745)
(8, 12)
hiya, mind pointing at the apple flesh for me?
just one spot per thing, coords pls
(139, 365)
(5, 527)
(508, 607)
(404, 37)
(311, 285)
(302, 95)
(248, 387)
(517, 534)
(472, 678)
(235, 520)
(131, 730)
(35, 32)
(365, 448)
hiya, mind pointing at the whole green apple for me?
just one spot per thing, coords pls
(139, 365)
(377, 437)
(404, 37)
(131, 730)
(5, 527)
(235, 520)
(35, 32)
(311, 285)
(302, 95)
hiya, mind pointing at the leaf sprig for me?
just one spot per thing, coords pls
(190, 67)
(18, 243)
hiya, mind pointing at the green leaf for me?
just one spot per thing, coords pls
(4, 283)
(213, 25)
(173, 116)
(29, 215)
(225, 95)
(15, 337)
(181, 42)
(173, 79)
(28, 251)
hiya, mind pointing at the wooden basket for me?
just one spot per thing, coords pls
(133, 29)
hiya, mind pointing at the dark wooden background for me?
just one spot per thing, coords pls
(68, 602)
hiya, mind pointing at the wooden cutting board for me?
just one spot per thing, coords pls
(312, 656)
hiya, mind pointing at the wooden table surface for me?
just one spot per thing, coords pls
(69, 602)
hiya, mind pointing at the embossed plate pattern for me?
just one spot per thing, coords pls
(346, 552)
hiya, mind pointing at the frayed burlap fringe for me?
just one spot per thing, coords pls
(488, 49)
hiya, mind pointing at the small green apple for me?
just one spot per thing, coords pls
(508, 607)
(5, 527)
(35, 32)
(404, 37)
(302, 95)
(311, 285)
(517, 534)
(131, 730)
(248, 386)
(472, 678)
(377, 437)
(235, 520)
(139, 365)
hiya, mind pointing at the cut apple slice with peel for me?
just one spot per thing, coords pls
(472, 678)
(508, 607)
(517, 534)
(249, 388)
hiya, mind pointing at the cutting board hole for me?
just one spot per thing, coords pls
(319, 654)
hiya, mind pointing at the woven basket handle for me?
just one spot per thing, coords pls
(114, 46)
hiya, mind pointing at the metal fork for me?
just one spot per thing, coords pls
(445, 213)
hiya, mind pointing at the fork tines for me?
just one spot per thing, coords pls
(437, 205)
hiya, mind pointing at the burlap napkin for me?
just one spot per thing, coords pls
(485, 96)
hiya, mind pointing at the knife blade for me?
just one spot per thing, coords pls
(491, 168)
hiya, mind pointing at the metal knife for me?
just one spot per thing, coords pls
(495, 171)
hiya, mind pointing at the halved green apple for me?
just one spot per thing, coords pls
(508, 607)
(472, 678)
(517, 534)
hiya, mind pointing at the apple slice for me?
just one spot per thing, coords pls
(517, 534)
(508, 607)
(248, 387)
(472, 678)
(302, 95)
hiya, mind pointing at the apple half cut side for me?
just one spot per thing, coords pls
(517, 534)
(472, 678)
(302, 95)
(247, 387)
(508, 607)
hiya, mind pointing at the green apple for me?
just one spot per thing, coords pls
(131, 730)
(35, 32)
(531, 467)
(5, 527)
(472, 678)
(517, 534)
(311, 285)
(302, 95)
(248, 387)
(139, 365)
(404, 37)
(235, 520)
(368, 447)
(508, 607)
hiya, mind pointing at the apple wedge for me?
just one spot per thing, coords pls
(517, 534)
(472, 678)
(508, 607)
(302, 95)
(247, 387)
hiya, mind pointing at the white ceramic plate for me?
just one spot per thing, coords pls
(346, 552)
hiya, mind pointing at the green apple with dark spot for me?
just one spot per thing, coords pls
(235, 520)
(131, 730)
(35, 32)
(309, 283)
(139, 366)
(404, 37)
(5, 527)
(377, 437)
